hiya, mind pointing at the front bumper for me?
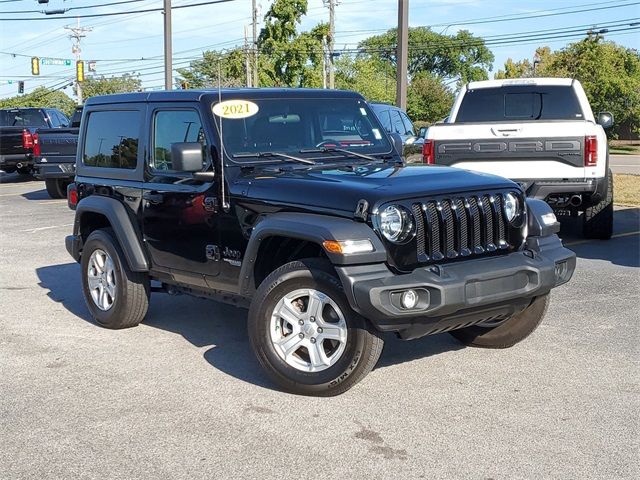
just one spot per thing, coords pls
(458, 294)
(54, 170)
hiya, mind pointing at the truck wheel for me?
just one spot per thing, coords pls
(115, 296)
(598, 219)
(509, 332)
(56, 188)
(306, 336)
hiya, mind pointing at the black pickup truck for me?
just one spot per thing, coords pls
(297, 205)
(55, 156)
(17, 129)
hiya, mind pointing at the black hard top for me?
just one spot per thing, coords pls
(197, 95)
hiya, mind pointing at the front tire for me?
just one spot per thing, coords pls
(56, 187)
(598, 219)
(306, 336)
(116, 296)
(508, 333)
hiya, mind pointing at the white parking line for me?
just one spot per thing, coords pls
(34, 230)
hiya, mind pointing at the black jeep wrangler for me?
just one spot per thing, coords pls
(297, 205)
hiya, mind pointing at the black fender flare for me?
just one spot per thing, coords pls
(126, 232)
(314, 228)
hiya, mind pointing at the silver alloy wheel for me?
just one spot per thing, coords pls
(308, 330)
(101, 279)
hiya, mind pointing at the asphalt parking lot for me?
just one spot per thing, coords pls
(181, 396)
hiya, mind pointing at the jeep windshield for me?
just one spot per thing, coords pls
(317, 128)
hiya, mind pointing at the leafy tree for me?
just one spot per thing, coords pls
(525, 68)
(93, 86)
(41, 97)
(428, 99)
(462, 57)
(203, 73)
(366, 77)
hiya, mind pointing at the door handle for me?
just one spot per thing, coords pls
(153, 197)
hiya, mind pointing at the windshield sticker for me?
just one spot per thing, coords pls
(363, 112)
(376, 133)
(235, 109)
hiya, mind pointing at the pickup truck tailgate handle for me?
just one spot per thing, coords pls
(505, 132)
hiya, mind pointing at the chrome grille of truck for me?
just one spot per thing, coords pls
(460, 226)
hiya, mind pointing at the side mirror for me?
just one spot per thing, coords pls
(605, 119)
(186, 157)
(423, 132)
(397, 142)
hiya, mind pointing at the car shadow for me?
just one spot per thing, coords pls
(222, 328)
(37, 195)
(622, 249)
(15, 178)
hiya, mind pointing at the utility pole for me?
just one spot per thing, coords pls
(324, 62)
(254, 23)
(402, 54)
(332, 33)
(168, 54)
(77, 34)
(247, 63)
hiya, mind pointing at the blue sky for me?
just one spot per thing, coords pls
(118, 41)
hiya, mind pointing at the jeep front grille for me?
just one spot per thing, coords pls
(461, 226)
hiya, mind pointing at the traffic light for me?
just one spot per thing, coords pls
(80, 71)
(21, 86)
(35, 66)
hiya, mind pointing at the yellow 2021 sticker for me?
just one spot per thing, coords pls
(235, 109)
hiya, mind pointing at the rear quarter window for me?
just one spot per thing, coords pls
(111, 140)
(520, 103)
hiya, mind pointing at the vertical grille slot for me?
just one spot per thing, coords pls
(418, 214)
(488, 225)
(499, 218)
(463, 227)
(474, 214)
(433, 221)
(448, 233)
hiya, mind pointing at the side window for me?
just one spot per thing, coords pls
(111, 140)
(173, 126)
(385, 120)
(407, 124)
(64, 121)
(396, 123)
(53, 118)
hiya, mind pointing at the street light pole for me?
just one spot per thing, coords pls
(402, 54)
(168, 54)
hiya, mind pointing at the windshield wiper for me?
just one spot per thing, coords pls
(273, 154)
(340, 150)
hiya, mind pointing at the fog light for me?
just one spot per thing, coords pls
(409, 299)
(561, 271)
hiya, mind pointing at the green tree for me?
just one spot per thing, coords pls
(203, 73)
(461, 57)
(366, 76)
(41, 97)
(93, 86)
(428, 99)
(524, 68)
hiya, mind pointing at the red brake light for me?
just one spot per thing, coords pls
(72, 196)
(36, 145)
(27, 139)
(428, 155)
(590, 151)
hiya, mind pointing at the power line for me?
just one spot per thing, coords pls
(73, 8)
(111, 14)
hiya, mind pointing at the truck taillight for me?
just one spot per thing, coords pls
(27, 139)
(590, 151)
(72, 196)
(36, 145)
(428, 156)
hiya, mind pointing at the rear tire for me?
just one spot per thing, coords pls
(56, 187)
(309, 295)
(116, 296)
(511, 331)
(598, 219)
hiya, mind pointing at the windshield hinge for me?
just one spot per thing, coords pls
(361, 212)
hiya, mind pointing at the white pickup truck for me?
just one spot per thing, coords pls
(539, 132)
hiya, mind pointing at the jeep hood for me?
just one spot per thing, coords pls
(342, 188)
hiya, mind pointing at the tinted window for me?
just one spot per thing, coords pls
(396, 123)
(112, 139)
(174, 126)
(513, 103)
(408, 125)
(53, 118)
(64, 121)
(22, 118)
(385, 119)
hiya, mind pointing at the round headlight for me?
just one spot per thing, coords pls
(511, 206)
(395, 224)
